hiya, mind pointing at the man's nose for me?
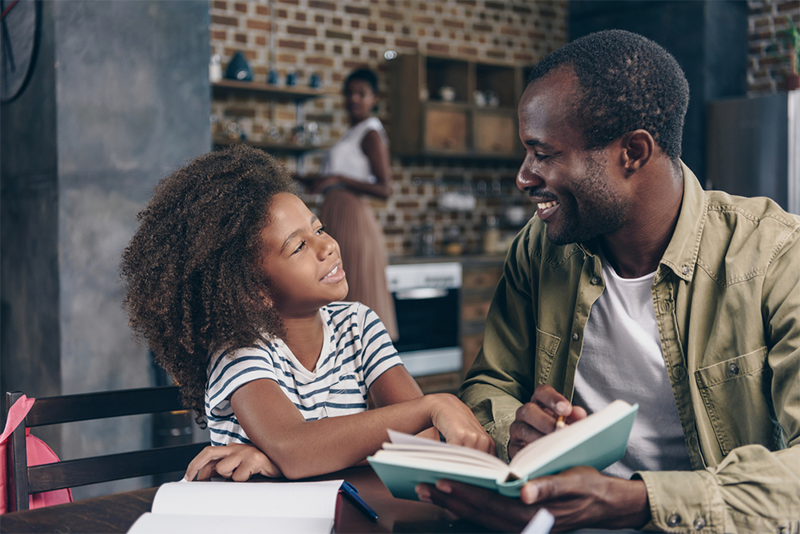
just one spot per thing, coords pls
(527, 176)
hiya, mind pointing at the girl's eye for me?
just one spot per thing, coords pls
(321, 230)
(300, 247)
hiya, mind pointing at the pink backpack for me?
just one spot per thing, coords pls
(38, 453)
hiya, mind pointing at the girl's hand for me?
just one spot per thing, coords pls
(458, 425)
(235, 461)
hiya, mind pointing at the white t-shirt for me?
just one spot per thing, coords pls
(621, 358)
(356, 351)
(347, 158)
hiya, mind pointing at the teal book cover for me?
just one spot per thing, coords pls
(597, 441)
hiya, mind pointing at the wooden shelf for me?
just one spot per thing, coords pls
(283, 148)
(296, 93)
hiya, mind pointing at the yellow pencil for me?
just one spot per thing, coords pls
(560, 423)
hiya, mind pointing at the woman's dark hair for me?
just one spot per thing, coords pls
(365, 75)
(191, 282)
(628, 82)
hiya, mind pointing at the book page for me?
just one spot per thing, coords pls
(437, 450)
(150, 523)
(263, 499)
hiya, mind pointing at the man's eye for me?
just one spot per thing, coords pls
(540, 157)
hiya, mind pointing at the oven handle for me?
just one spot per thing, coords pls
(420, 293)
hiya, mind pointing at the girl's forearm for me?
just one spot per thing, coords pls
(309, 448)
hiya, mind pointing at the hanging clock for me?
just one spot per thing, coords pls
(19, 42)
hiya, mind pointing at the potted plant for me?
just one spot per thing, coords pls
(793, 37)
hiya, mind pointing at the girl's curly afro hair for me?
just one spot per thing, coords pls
(192, 287)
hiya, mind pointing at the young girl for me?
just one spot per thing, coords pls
(235, 285)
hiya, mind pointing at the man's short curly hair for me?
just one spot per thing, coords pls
(628, 82)
(192, 286)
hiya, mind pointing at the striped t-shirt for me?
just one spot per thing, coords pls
(356, 351)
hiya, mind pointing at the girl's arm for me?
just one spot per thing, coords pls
(378, 154)
(301, 448)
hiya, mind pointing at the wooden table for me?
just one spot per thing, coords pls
(116, 513)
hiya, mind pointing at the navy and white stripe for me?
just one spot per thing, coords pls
(357, 350)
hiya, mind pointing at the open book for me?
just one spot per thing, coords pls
(597, 441)
(241, 507)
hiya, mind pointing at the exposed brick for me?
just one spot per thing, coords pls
(333, 34)
(355, 10)
(496, 54)
(319, 47)
(438, 48)
(495, 5)
(240, 7)
(388, 28)
(301, 30)
(319, 19)
(467, 51)
(506, 30)
(301, 17)
(453, 23)
(406, 43)
(355, 24)
(482, 27)
(240, 38)
(287, 58)
(219, 35)
(319, 60)
(225, 21)
(471, 3)
(258, 25)
(290, 2)
(521, 9)
(319, 4)
(372, 26)
(282, 14)
(373, 39)
(391, 15)
(337, 21)
(262, 10)
(260, 40)
(296, 45)
(423, 20)
(219, 4)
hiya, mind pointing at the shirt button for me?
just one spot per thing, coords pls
(595, 280)
(674, 519)
(699, 523)
(734, 369)
(574, 336)
(685, 270)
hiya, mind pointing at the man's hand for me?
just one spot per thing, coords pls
(235, 461)
(579, 497)
(538, 417)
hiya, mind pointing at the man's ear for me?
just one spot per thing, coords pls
(637, 149)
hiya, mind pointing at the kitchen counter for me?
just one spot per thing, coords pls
(467, 260)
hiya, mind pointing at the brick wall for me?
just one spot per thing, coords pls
(329, 39)
(769, 50)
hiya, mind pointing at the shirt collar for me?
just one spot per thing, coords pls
(683, 248)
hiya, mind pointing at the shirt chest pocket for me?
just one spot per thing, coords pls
(736, 395)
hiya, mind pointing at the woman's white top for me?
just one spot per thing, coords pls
(347, 158)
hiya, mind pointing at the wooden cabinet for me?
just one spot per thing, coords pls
(450, 107)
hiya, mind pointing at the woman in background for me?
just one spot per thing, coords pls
(356, 167)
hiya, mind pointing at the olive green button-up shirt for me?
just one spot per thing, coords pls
(727, 302)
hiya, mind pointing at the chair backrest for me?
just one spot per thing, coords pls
(71, 408)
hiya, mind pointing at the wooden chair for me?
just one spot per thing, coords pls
(71, 408)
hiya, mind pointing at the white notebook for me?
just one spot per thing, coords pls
(241, 507)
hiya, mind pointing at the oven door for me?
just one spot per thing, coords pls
(427, 321)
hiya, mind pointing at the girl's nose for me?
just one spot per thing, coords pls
(325, 247)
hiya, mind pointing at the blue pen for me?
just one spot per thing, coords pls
(352, 493)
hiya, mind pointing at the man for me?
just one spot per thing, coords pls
(634, 283)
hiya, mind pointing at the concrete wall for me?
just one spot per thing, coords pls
(127, 98)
